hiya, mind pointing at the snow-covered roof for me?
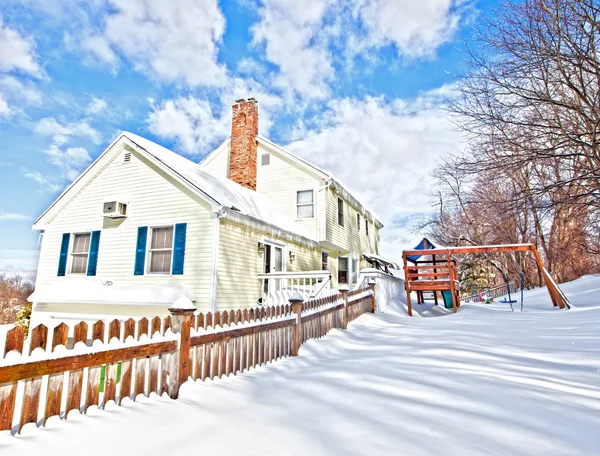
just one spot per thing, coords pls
(222, 191)
(95, 292)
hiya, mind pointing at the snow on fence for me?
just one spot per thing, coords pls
(49, 374)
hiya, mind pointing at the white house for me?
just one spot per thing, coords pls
(143, 226)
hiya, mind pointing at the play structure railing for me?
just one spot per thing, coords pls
(442, 258)
(497, 291)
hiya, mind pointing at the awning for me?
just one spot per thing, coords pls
(86, 292)
(379, 262)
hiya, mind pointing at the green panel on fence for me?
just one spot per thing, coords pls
(102, 378)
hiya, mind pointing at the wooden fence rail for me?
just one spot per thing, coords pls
(50, 374)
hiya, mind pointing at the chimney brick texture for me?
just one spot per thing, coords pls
(243, 151)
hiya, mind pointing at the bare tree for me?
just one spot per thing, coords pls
(14, 291)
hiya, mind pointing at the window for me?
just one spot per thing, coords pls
(342, 270)
(80, 253)
(324, 260)
(340, 212)
(367, 227)
(161, 250)
(355, 270)
(358, 221)
(305, 204)
(265, 159)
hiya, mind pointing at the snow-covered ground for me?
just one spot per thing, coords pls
(485, 381)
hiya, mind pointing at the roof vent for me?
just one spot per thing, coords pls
(265, 159)
(126, 157)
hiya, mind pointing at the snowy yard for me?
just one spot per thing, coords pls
(484, 381)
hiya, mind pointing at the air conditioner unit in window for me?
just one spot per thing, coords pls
(114, 209)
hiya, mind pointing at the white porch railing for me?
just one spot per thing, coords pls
(278, 287)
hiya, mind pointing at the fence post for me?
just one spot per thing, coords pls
(296, 301)
(344, 292)
(372, 287)
(182, 313)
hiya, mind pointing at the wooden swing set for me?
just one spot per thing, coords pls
(440, 273)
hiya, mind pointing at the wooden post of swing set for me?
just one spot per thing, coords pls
(451, 277)
(406, 284)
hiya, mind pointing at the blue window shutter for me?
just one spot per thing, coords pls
(93, 258)
(64, 254)
(179, 248)
(140, 250)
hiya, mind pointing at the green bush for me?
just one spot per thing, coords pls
(24, 317)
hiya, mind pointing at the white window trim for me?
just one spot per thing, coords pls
(284, 252)
(71, 246)
(328, 258)
(149, 251)
(314, 203)
(337, 212)
(348, 267)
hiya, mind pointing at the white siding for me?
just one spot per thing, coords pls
(280, 180)
(154, 199)
(217, 162)
(240, 263)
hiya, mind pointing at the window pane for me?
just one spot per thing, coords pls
(343, 264)
(79, 264)
(325, 261)
(306, 211)
(162, 238)
(81, 243)
(304, 197)
(160, 261)
(277, 259)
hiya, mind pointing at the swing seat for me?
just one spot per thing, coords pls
(507, 301)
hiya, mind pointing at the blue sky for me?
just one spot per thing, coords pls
(356, 87)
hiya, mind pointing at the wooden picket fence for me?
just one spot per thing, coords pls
(44, 376)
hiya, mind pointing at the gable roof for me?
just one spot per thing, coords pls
(223, 194)
(340, 188)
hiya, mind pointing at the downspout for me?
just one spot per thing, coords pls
(322, 221)
(215, 259)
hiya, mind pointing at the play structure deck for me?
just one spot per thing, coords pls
(439, 272)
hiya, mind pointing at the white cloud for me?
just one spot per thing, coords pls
(46, 184)
(190, 121)
(62, 132)
(173, 41)
(19, 91)
(5, 111)
(96, 106)
(12, 216)
(288, 29)
(197, 125)
(14, 261)
(416, 28)
(71, 160)
(384, 152)
(16, 52)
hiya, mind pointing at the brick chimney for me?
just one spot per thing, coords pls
(243, 152)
